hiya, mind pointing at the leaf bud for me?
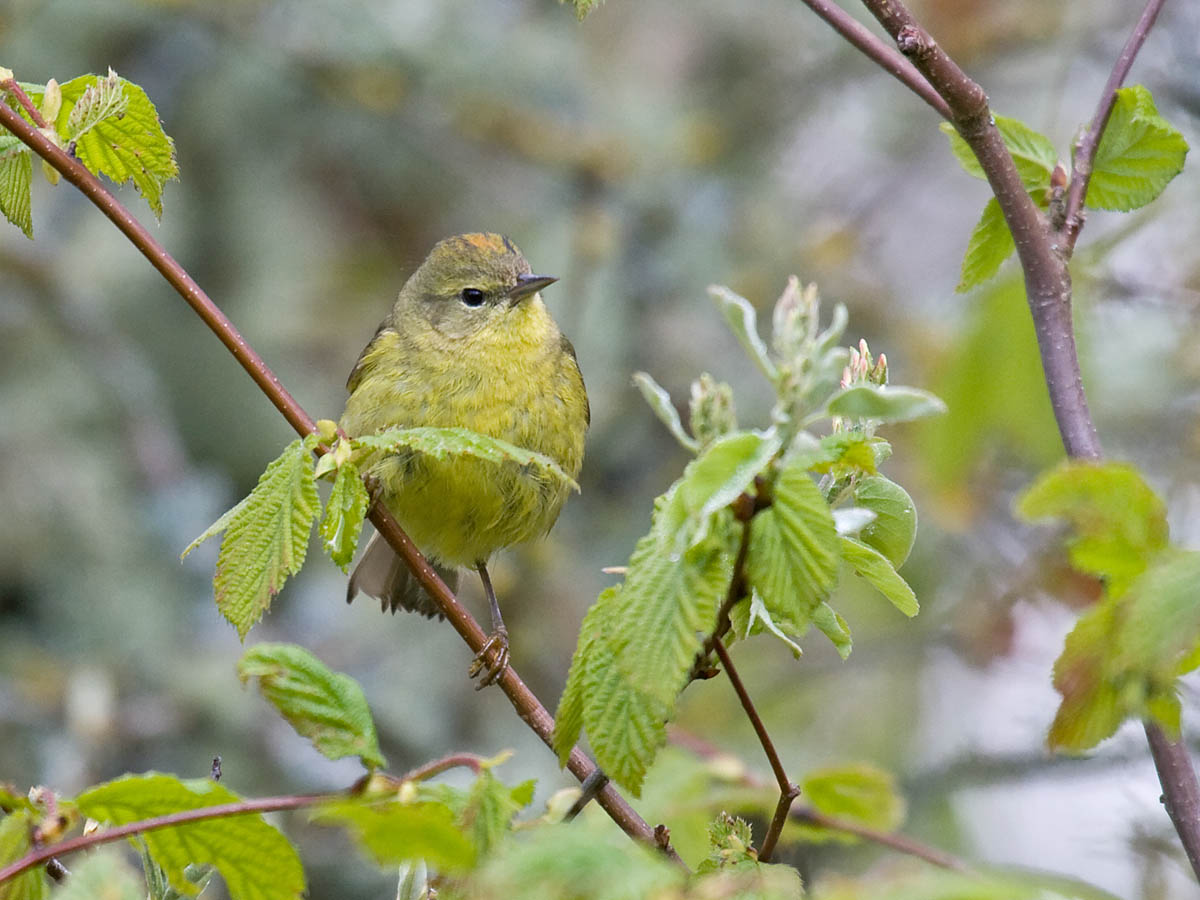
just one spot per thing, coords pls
(51, 101)
(713, 413)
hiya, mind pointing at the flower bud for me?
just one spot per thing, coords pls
(713, 414)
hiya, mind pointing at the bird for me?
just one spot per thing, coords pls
(468, 343)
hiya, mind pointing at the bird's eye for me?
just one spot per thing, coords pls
(472, 296)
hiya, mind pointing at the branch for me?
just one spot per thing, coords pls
(184, 817)
(788, 791)
(527, 705)
(887, 57)
(1086, 146)
(1048, 291)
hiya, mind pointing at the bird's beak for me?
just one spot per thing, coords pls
(527, 285)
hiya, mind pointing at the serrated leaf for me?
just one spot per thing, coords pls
(794, 551)
(743, 322)
(660, 402)
(1119, 523)
(266, 537)
(99, 101)
(859, 792)
(344, 514)
(254, 859)
(878, 570)
(894, 529)
(14, 844)
(731, 845)
(568, 720)
(442, 443)
(131, 146)
(393, 832)
(884, 404)
(16, 179)
(1123, 656)
(990, 244)
(327, 707)
(1033, 153)
(1139, 153)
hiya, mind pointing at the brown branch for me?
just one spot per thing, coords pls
(788, 791)
(1048, 291)
(472, 761)
(184, 817)
(888, 59)
(1089, 143)
(527, 705)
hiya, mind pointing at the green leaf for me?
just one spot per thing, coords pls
(882, 575)
(568, 720)
(129, 144)
(393, 832)
(101, 876)
(1123, 657)
(1033, 153)
(344, 514)
(895, 527)
(327, 707)
(743, 322)
(1139, 153)
(1119, 523)
(256, 861)
(16, 178)
(442, 443)
(266, 536)
(794, 551)
(490, 808)
(660, 402)
(860, 793)
(14, 844)
(990, 244)
(884, 404)
(722, 472)
(833, 626)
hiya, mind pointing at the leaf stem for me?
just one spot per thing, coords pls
(528, 707)
(1089, 143)
(788, 791)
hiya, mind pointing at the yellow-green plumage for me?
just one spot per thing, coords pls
(499, 367)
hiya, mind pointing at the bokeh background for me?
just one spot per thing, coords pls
(642, 155)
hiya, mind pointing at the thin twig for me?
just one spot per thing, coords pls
(787, 790)
(1181, 794)
(183, 817)
(10, 85)
(1089, 143)
(808, 815)
(886, 56)
(527, 705)
(472, 761)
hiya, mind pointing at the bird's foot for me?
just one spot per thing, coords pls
(492, 659)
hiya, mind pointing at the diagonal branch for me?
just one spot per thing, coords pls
(527, 705)
(1086, 147)
(1048, 291)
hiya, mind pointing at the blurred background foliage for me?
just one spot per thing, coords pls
(640, 156)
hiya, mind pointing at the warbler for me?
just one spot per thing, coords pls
(468, 343)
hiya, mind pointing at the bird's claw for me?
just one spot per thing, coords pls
(491, 660)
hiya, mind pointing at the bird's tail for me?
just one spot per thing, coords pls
(385, 576)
